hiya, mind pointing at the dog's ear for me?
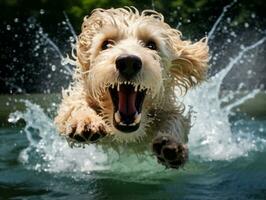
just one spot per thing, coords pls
(82, 58)
(83, 45)
(89, 27)
(189, 65)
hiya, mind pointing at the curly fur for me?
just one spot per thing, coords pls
(176, 64)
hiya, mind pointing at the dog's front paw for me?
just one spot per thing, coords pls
(169, 152)
(86, 130)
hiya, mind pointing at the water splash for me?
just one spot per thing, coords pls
(70, 26)
(43, 39)
(225, 9)
(211, 137)
(47, 151)
(68, 70)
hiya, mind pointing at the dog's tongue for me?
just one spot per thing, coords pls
(127, 100)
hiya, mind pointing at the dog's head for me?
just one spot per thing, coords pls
(136, 58)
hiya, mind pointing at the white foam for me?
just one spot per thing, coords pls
(211, 137)
(48, 151)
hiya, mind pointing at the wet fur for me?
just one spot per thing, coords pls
(177, 64)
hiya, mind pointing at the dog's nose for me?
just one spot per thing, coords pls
(128, 65)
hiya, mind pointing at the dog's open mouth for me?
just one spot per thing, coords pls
(127, 101)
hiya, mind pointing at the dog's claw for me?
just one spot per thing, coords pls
(169, 152)
(79, 138)
(87, 133)
(95, 137)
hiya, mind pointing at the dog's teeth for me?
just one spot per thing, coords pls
(122, 124)
(117, 117)
(153, 94)
(118, 87)
(137, 118)
(133, 124)
(136, 88)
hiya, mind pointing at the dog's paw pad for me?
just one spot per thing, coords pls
(88, 133)
(169, 152)
(79, 138)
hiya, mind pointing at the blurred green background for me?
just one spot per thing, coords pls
(35, 35)
(24, 71)
(186, 11)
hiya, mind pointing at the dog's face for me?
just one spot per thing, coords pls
(133, 58)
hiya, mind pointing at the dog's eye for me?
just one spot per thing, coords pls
(151, 45)
(107, 44)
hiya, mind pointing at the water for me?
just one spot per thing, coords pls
(227, 149)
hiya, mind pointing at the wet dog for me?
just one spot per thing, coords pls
(130, 66)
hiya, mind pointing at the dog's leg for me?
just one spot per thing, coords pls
(170, 145)
(77, 120)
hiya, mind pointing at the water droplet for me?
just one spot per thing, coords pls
(179, 24)
(53, 68)
(233, 34)
(40, 31)
(14, 117)
(8, 27)
(37, 46)
(72, 39)
(16, 20)
(253, 15)
(42, 11)
(246, 25)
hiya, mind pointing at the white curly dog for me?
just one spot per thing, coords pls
(130, 66)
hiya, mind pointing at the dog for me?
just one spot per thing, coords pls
(131, 67)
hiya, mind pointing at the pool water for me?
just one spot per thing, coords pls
(241, 178)
(227, 149)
